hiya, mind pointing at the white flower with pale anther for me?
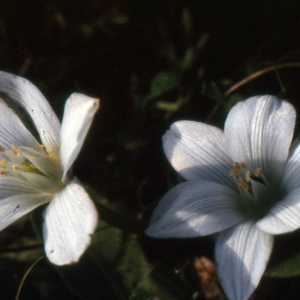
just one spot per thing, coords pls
(35, 163)
(243, 183)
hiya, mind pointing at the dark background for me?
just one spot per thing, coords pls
(148, 62)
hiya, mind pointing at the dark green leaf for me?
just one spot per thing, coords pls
(211, 90)
(288, 268)
(162, 83)
(161, 283)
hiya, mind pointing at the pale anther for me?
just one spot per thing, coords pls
(15, 169)
(247, 175)
(15, 150)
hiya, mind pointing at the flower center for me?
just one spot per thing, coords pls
(243, 175)
(37, 168)
(257, 195)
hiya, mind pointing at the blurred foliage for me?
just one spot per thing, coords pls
(150, 63)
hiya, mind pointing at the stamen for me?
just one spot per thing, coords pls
(247, 175)
(256, 172)
(243, 184)
(244, 174)
(234, 173)
(2, 149)
(43, 148)
(15, 169)
(236, 166)
(3, 174)
(3, 163)
(16, 150)
(244, 166)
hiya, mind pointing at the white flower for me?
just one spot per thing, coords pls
(243, 183)
(36, 171)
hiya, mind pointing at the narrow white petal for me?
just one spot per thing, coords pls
(195, 208)
(44, 163)
(258, 132)
(70, 220)
(78, 117)
(198, 151)
(242, 253)
(25, 94)
(15, 207)
(41, 183)
(284, 216)
(13, 131)
(11, 186)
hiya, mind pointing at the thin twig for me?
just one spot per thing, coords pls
(258, 74)
(250, 78)
(26, 275)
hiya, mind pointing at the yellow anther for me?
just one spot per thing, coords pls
(243, 184)
(3, 174)
(15, 150)
(236, 169)
(234, 172)
(3, 163)
(245, 176)
(244, 166)
(2, 149)
(256, 172)
(236, 166)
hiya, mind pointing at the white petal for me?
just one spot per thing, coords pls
(258, 132)
(291, 176)
(78, 117)
(13, 131)
(198, 151)
(70, 220)
(195, 208)
(242, 253)
(41, 183)
(25, 94)
(12, 186)
(44, 163)
(15, 207)
(284, 216)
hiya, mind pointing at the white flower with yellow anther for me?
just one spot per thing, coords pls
(35, 166)
(243, 183)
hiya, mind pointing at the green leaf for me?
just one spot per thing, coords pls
(288, 268)
(211, 90)
(162, 283)
(120, 254)
(162, 83)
